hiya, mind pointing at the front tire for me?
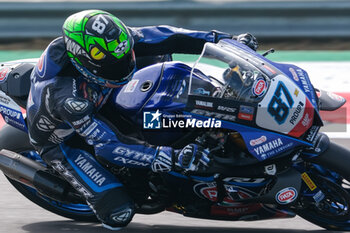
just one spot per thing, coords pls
(331, 173)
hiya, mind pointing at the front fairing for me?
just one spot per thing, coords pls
(282, 94)
(281, 118)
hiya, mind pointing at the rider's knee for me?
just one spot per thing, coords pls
(115, 209)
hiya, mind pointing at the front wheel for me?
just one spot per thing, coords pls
(333, 211)
(331, 174)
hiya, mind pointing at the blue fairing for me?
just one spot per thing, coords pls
(275, 143)
(168, 93)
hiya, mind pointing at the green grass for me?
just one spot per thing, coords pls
(282, 56)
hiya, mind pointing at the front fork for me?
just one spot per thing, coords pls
(310, 191)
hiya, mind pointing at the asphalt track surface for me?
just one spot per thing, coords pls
(19, 215)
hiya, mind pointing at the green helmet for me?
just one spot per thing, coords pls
(100, 47)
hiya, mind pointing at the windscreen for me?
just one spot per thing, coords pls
(240, 79)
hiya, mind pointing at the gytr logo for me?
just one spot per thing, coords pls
(152, 120)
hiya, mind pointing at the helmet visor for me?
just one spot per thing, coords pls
(117, 70)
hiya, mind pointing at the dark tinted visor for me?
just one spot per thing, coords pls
(117, 70)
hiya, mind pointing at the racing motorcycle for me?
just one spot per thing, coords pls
(258, 119)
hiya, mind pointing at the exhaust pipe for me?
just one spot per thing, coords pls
(33, 174)
(18, 167)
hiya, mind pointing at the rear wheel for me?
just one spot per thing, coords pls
(79, 212)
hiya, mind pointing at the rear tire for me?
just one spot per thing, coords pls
(78, 212)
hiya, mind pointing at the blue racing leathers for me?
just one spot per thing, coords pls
(62, 104)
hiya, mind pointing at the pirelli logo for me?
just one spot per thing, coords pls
(306, 178)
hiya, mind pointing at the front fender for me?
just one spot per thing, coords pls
(321, 145)
(330, 156)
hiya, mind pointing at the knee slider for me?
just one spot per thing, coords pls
(115, 208)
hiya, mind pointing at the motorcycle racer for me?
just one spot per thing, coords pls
(73, 80)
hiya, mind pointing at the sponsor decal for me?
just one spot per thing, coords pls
(131, 86)
(15, 123)
(312, 133)
(74, 87)
(303, 80)
(204, 104)
(302, 118)
(80, 122)
(77, 106)
(89, 170)
(127, 152)
(4, 100)
(246, 113)
(9, 112)
(122, 216)
(4, 72)
(44, 124)
(319, 196)
(294, 74)
(227, 109)
(121, 48)
(89, 129)
(286, 196)
(201, 91)
(214, 114)
(296, 113)
(259, 87)
(274, 144)
(306, 120)
(230, 205)
(306, 178)
(57, 165)
(209, 191)
(258, 141)
(246, 109)
(132, 157)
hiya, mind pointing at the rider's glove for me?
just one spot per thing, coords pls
(192, 158)
(249, 40)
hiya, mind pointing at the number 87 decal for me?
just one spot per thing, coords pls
(100, 23)
(277, 106)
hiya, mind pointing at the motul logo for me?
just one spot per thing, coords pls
(258, 141)
(286, 196)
